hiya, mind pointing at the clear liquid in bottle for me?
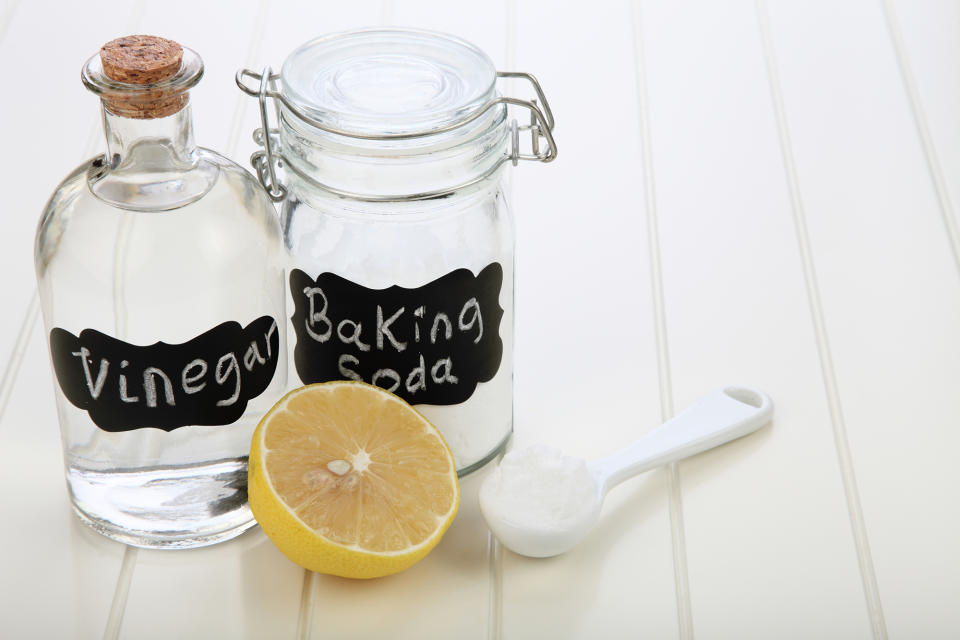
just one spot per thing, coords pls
(160, 268)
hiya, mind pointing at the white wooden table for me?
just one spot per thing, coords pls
(745, 193)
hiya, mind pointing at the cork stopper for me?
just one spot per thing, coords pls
(143, 60)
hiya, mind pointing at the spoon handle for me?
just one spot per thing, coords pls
(722, 415)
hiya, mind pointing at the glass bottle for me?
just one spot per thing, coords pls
(393, 144)
(160, 269)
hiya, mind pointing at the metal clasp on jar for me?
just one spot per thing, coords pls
(543, 147)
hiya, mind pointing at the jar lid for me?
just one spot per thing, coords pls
(388, 81)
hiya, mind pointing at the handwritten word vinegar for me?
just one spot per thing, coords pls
(207, 380)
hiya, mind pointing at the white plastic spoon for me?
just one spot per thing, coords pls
(540, 504)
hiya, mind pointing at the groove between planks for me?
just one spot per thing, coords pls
(677, 536)
(923, 132)
(857, 523)
(6, 17)
(120, 594)
(19, 349)
(494, 548)
(495, 590)
(308, 598)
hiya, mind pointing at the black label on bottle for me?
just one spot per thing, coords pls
(429, 345)
(207, 380)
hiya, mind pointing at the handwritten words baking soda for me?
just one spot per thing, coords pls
(429, 345)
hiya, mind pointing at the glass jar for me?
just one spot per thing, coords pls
(160, 270)
(393, 144)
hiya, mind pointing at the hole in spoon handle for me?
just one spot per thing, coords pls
(746, 395)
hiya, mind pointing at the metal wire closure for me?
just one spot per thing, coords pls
(263, 161)
(268, 159)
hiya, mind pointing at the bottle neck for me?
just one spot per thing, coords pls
(151, 164)
(150, 145)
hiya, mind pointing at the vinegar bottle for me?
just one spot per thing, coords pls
(160, 268)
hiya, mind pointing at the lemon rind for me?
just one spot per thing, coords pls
(446, 519)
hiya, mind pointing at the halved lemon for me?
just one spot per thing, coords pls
(348, 479)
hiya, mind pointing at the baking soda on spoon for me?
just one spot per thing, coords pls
(541, 500)
(541, 503)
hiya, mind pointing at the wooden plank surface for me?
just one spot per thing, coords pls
(58, 577)
(766, 521)
(52, 564)
(746, 261)
(923, 35)
(890, 295)
(50, 124)
(586, 373)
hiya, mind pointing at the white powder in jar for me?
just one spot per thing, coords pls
(475, 427)
(411, 251)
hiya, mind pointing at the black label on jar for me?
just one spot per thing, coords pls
(429, 345)
(205, 381)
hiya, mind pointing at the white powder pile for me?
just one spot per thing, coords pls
(540, 489)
